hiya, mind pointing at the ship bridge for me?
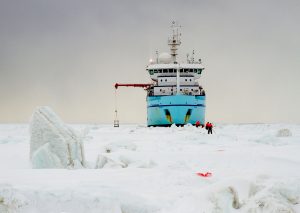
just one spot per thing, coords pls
(158, 70)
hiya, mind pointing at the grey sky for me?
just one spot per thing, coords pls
(68, 54)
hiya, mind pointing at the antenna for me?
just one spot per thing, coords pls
(156, 52)
(174, 40)
(193, 54)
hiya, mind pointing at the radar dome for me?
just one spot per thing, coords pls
(164, 58)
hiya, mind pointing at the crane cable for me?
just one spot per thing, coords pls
(116, 121)
(116, 109)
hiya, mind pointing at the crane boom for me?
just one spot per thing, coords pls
(145, 86)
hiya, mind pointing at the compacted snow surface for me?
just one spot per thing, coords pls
(135, 169)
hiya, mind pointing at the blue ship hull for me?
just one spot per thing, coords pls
(175, 109)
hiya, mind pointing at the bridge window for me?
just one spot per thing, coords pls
(171, 70)
(181, 70)
(186, 70)
(199, 71)
(195, 70)
(155, 71)
(160, 71)
(150, 72)
(191, 70)
(165, 71)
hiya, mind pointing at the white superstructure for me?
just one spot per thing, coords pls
(171, 77)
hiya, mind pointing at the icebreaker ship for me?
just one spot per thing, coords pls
(175, 97)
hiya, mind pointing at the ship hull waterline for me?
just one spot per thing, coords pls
(175, 109)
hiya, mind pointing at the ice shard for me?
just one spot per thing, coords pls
(53, 144)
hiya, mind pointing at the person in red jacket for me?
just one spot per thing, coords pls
(206, 125)
(197, 124)
(209, 127)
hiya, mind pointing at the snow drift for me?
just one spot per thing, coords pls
(284, 133)
(153, 170)
(52, 143)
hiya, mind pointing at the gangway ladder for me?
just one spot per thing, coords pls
(116, 121)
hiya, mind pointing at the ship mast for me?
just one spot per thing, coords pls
(174, 41)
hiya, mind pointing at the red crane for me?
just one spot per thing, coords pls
(145, 86)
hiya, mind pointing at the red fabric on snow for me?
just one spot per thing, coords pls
(207, 174)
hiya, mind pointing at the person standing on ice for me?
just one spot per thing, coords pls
(197, 124)
(209, 127)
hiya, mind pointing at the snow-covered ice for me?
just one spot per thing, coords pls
(52, 143)
(255, 168)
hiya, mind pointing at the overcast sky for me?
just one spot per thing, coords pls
(67, 54)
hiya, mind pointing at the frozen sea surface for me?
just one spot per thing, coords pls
(255, 168)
